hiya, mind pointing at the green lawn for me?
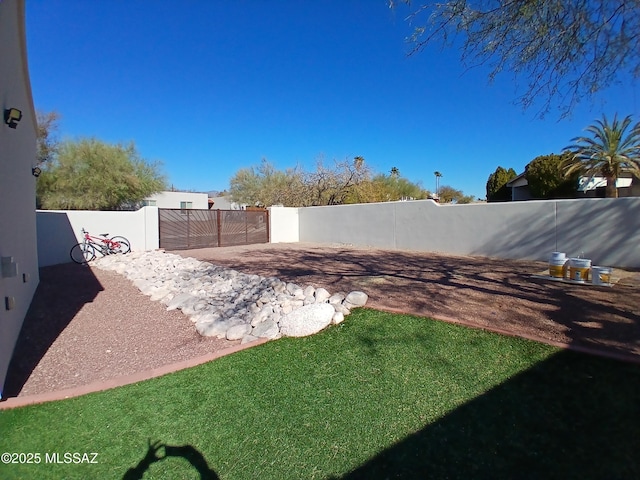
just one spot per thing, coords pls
(379, 396)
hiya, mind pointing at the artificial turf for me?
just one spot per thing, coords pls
(378, 396)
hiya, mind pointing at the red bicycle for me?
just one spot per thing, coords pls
(86, 251)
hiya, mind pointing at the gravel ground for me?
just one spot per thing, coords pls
(87, 325)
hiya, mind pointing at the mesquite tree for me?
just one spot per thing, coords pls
(562, 50)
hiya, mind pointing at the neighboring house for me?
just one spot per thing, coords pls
(596, 186)
(519, 188)
(225, 203)
(587, 187)
(187, 200)
(18, 243)
(182, 200)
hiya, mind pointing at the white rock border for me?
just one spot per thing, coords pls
(225, 303)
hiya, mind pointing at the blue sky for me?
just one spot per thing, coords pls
(210, 86)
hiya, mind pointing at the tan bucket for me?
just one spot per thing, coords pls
(579, 269)
(558, 265)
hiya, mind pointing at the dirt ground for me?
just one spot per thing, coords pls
(495, 294)
(87, 325)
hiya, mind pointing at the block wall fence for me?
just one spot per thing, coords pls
(59, 230)
(605, 230)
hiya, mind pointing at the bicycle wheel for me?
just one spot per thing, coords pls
(82, 253)
(119, 245)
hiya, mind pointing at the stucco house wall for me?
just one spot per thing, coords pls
(588, 187)
(19, 260)
(174, 200)
(519, 188)
(225, 203)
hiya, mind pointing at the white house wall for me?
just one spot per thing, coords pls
(591, 183)
(225, 203)
(19, 277)
(173, 199)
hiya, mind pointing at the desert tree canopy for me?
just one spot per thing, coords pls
(559, 51)
(88, 174)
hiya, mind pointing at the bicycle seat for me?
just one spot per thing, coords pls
(104, 234)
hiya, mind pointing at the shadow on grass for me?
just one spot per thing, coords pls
(61, 293)
(571, 416)
(153, 455)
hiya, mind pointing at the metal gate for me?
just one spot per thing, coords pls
(182, 229)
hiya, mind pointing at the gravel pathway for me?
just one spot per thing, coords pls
(87, 325)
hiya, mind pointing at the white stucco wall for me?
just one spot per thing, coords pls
(17, 184)
(59, 230)
(172, 199)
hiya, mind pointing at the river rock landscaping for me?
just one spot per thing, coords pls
(225, 303)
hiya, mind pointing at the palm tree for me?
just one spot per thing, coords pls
(395, 173)
(358, 162)
(611, 151)
(438, 175)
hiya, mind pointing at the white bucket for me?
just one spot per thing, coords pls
(601, 275)
(579, 269)
(557, 265)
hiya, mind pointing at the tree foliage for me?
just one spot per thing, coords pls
(546, 178)
(344, 182)
(448, 194)
(389, 188)
(497, 190)
(562, 49)
(48, 143)
(92, 175)
(608, 152)
(266, 186)
(339, 185)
